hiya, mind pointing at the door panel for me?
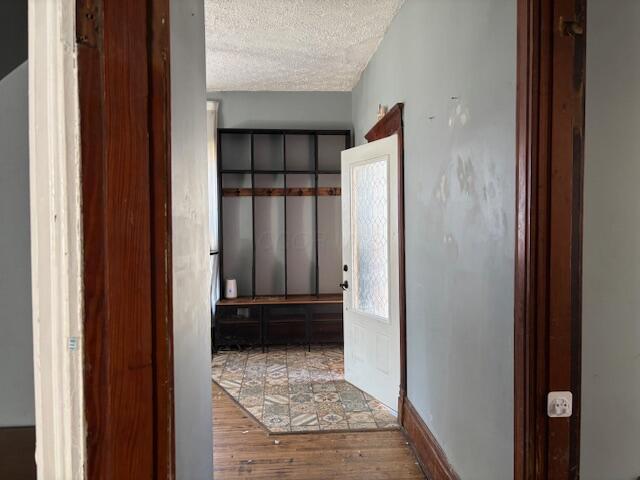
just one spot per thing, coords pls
(370, 253)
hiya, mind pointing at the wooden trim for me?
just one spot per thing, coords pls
(282, 192)
(56, 241)
(123, 72)
(550, 143)
(430, 455)
(388, 125)
(17, 453)
(161, 235)
(392, 124)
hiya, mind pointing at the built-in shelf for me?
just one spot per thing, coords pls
(281, 300)
(280, 236)
(280, 210)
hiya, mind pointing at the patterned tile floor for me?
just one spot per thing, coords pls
(290, 389)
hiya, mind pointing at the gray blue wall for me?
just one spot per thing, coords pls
(328, 110)
(16, 344)
(191, 277)
(610, 429)
(453, 63)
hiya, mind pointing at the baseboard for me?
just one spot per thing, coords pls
(429, 452)
(17, 453)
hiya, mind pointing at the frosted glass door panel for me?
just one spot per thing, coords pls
(237, 242)
(268, 152)
(370, 231)
(300, 152)
(269, 224)
(236, 151)
(329, 149)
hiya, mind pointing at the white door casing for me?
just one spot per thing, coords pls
(371, 256)
(56, 240)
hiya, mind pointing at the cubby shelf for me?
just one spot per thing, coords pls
(280, 236)
(280, 210)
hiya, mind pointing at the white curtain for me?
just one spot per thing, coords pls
(212, 155)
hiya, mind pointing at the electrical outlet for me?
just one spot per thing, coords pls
(559, 404)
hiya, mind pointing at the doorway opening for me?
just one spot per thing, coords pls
(307, 255)
(303, 250)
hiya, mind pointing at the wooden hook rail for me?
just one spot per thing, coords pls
(281, 192)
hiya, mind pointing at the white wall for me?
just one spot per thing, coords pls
(191, 305)
(610, 423)
(16, 340)
(460, 214)
(328, 110)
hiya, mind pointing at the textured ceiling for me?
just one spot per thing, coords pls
(292, 45)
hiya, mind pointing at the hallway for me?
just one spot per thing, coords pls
(242, 450)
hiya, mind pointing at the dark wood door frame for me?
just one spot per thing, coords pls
(124, 98)
(392, 124)
(550, 146)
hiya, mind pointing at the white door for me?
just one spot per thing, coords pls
(371, 278)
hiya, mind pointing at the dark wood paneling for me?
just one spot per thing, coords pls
(550, 128)
(430, 455)
(124, 121)
(390, 124)
(17, 453)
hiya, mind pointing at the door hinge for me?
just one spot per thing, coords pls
(571, 28)
(88, 24)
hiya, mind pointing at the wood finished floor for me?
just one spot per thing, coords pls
(243, 450)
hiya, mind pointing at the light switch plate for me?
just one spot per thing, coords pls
(559, 404)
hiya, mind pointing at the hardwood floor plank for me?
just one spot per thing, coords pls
(243, 450)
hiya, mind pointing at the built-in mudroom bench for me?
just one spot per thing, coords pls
(263, 321)
(280, 237)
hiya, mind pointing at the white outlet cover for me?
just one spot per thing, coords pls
(559, 404)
